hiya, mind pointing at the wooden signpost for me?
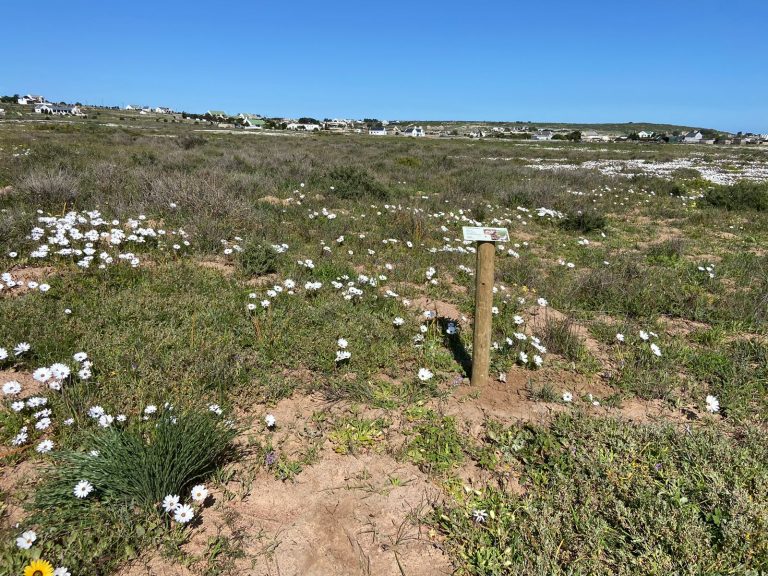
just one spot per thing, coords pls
(485, 241)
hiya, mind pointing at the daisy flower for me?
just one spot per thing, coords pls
(83, 488)
(425, 374)
(39, 568)
(199, 493)
(45, 446)
(479, 516)
(542, 302)
(342, 342)
(80, 357)
(713, 404)
(3, 353)
(170, 502)
(620, 337)
(270, 421)
(42, 374)
(62, 571)
(567, 397)
(656, 350)
(342, 355)
(21, 348)
(26, 540)
(11, 388)
(183, 514)
(644, 335)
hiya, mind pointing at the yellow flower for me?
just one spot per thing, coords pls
(39, 568)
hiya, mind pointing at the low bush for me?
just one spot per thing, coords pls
(742, 195)
(131, 470)
(51, 186)
(351, 182)
(257, 259)
(583, 221)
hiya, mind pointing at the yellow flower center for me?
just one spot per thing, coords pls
(37, 573)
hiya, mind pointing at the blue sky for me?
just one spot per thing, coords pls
(694, 62)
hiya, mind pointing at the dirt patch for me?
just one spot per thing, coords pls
(21, 277)
(15, 483)
(681, 326)
(29, 386)
(221, 266)
(275, 201)
(343, 515)
(652, 411)
(441, 308)
(261, 281)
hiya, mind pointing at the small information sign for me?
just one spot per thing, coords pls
(483, 234)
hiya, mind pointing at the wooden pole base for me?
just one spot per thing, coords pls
(481, 337)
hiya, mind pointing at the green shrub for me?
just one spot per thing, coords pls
(138, 466)
(742, 195)
(583, 221)
(190, 141)
(666, 252)
(257, 258)
(351, 182)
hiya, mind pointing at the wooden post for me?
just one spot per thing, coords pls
(481, 337)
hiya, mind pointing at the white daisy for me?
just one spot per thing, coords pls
(83, 488)
(183, 514)
(425, 374)
(170, 502)
(26, 540)
(45, 446)
(199, 493)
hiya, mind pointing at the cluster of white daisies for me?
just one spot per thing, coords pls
(182, 513)
(7, 282)
(87, 237)
(645, 336)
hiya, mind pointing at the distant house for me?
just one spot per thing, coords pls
(58, 109)
(644, 135)
(251, 121)
(30, 99)
(134, 107)
(2, 111)
(336, 124)
(217, 114)
(377, 130)
(696, 137)
(162, 110)
(693, 137)
(543, 135)
(594, 136)
(413, 131)
(303, 127)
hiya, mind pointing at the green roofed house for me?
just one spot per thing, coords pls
(217, 114)
(253, 121)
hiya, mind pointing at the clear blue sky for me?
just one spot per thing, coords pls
(694, 62)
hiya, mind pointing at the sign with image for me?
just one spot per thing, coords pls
(484, 234)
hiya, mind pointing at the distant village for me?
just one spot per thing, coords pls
(375, 127)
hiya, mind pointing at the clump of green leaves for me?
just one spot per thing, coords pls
(743, 195)
(140, 465)
(583, 221)
(436, 446)
(257, 258)
(351, 182)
